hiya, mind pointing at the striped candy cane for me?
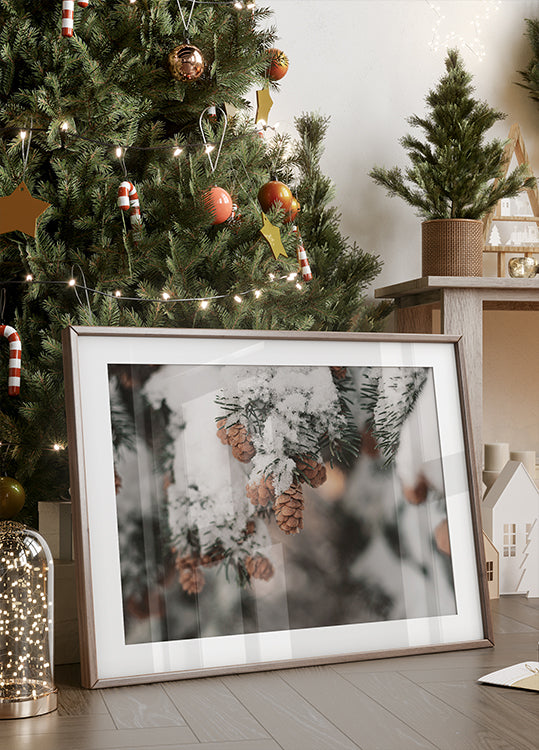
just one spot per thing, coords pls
(68, 7)
(306, 273)
(15, 349)
(128, 201)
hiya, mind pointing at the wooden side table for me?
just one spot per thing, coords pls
(461, 301)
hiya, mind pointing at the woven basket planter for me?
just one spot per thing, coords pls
(452, 247)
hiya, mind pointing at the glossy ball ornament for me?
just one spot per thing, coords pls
(278, 66)
(218, 203)
(275, 194)
(186, 63)
(293, 212)
(11, 497)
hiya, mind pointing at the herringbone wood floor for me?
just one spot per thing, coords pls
(420, 702)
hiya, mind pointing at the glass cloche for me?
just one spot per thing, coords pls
(26, 623)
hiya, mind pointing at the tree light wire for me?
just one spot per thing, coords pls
(73, 284)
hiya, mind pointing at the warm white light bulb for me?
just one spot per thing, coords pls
(298, 286)
(117, 293)
(64, 126)
(204, 304)
(209, 148)
(238, 5)
(72, 282)
(23, 134)
(178, 151)
(29, 277)
(166, 295)
(119, 152)
(257, 293)
(272, 277)
(237, 298)
(57, 447)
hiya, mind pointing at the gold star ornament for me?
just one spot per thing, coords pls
(273, 235)
(20, 211)
(264, 103)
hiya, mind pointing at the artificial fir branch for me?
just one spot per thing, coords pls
(531, 73)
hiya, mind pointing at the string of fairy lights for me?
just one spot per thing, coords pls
(474, 42)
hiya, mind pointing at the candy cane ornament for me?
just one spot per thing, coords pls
(15, 351)
(68, 7)
(306, 273)
(128, 201)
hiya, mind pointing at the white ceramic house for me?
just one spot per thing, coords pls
(511, 520)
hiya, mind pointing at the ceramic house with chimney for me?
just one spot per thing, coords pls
(510, 519)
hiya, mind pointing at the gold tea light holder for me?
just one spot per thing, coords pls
(523, 268)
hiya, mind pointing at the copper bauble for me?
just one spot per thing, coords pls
(275, 194)
(218, 203)
(186, 63)
(11, 497)
(293, 212)
(278, 66)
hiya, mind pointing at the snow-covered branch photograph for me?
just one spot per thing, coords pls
(255, 499)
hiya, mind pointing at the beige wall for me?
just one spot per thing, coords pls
(368, 64)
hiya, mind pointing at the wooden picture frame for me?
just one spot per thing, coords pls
(250, 500)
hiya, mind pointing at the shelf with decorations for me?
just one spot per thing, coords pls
(512, 227)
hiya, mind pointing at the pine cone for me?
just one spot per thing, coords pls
(187, 561)
(418, 493)
(221, 431)
(250, 527)
(212, 558)
(262, 492)
(339, 373)
(289, 509)
(259, 567)
(192, 580)
(240, 442)
(314, 473)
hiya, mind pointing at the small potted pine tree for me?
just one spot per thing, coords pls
(455, 177)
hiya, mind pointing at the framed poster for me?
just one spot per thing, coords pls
(251, 500)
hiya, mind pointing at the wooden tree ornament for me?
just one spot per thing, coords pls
(515, 146)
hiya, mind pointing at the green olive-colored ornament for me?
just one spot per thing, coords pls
(186, 63)
(11, 497)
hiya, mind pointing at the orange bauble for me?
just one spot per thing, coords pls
(278, 66)
(275, 194)
(292, 213)
(218, 203)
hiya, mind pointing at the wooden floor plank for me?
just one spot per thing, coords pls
(504, 624)
(267, 744)
(119, 739)
(518, 610)
(142, 706)
(53, 723)
(362, 719)
(446, 727)
(212, 711)
(484, 704)
(291, 720)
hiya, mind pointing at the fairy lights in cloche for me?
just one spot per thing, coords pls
(25, 620)
(473, 43)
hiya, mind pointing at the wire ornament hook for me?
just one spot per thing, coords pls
(206, 144)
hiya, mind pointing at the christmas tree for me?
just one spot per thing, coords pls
(130, 167)
(454, 173)
(531, 73)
